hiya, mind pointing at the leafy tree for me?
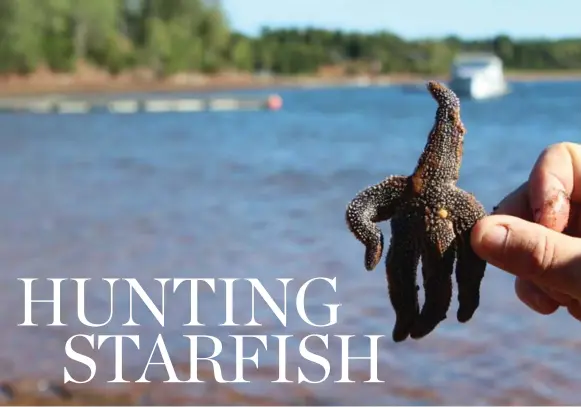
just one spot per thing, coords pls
(21, 33)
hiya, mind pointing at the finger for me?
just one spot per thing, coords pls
(534, 297)
(575, 310)
(530, 289)
(553, 182)
(574, 226)
(562, 299)
(530, 251)
(516, 204)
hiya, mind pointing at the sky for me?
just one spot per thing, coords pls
(414, 18)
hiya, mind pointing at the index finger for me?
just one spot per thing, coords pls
(516, 204)
(554, 181)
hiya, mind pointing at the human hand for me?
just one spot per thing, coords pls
(535, 233)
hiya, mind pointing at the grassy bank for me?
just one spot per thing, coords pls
(548, 75)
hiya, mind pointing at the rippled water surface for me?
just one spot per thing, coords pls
(262, 194)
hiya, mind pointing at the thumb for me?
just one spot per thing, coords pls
(530, 251)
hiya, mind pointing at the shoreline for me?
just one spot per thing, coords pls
(45, 83)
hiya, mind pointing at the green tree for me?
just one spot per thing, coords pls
(94, 24)
(171, 36)
(21, 33)
(241, 53)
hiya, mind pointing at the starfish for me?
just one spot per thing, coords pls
(431, 219)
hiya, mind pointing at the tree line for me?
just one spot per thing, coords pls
(172, 36)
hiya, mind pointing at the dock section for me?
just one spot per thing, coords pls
(127, 105)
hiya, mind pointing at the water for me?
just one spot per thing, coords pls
(263, 195)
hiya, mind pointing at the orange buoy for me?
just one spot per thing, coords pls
(274, 102)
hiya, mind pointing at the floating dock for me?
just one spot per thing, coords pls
(79, 105)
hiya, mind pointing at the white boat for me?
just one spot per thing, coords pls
(478, 76)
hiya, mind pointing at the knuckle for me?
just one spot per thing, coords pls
(543, 256)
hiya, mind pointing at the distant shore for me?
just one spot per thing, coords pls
(96, 82)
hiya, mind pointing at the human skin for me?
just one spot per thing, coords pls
(535, 233)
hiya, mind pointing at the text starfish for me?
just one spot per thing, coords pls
(431, 218)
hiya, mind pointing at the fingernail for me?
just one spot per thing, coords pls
(495, 238)
(555, 210)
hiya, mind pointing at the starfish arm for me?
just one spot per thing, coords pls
(442, 155)
(465, 210)
(469, 267)
(374, 204)
(469, 275)
(401, 264)
(438, 255)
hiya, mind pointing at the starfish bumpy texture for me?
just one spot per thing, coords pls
(431, 219)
